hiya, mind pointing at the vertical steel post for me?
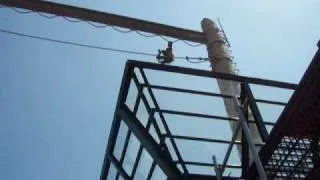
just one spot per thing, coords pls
(233, 139)
(216, 168)
(248, 137)
(116, 121)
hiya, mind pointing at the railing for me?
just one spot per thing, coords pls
(158, 139)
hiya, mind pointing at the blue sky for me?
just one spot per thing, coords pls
(57, 101)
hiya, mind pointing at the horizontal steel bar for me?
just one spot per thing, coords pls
(206, 177)
(205, 139)
(203, 73)
(223, 118)
(186, 91)
(107, 19)
(208, 93)
(270, 102)
(183, 113)
(231, 166)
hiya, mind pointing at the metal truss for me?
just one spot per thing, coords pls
(157, 144)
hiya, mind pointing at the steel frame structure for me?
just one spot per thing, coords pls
(292, 149)
(157, 147)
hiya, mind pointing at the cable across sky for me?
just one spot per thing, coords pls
(189, 59)
(98, 25)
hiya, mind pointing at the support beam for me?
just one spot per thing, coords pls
(116, 121)
(153, 166)
(149, 143)
(252, 148)
(216, 168)
(245, 157)
(107, 19)
(230, 166)
(207, 116)
(206, 177)
(126, 143)
(164, 123)
(118, 166)
(255, 112)
(138, 157)
(233, 139)
(209, 74)
(199, 139)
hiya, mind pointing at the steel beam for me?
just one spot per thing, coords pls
(165, 125)
(206, 177)
(216, 95)
(126, 143)
(252, 148)
(203, 73)
(271, 102)
(245, 158)
(116, 120)
(107, 19)
(291, 113)
(153, 166)
(255, 112)
(217, 168)
(154, 123)
(146, 104)
(222, 118)
(166, 88)
(183, 113)
(205, 139)
(231, 166)
(136, 162)
(233, 139)
(135, 166)
(118, 166)
(149, 143)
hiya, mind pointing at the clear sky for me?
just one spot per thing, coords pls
(57, 101)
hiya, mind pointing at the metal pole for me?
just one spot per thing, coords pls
(234, 136)
(248, 137)
(216, 168)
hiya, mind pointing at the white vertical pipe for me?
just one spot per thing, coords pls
(221, 61)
